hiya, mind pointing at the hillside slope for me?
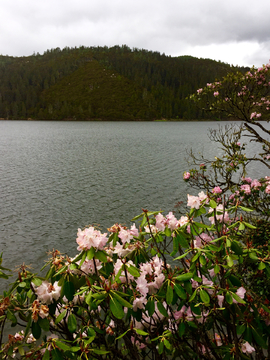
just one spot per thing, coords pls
(104, 83)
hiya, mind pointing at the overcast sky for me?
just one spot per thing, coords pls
(233, 31)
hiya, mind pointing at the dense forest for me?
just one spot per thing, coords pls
(101, 83)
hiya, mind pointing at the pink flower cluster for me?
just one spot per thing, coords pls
(47, 292)
(149, 281)
(90, 237)
(196, 201)
(250, 185)
(169, 221)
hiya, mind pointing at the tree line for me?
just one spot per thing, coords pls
(117, 83)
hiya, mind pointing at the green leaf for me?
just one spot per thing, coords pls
(182, 240)
(253, 255)
(228, 298)
(44, 324)
(133, 271)
(91, 253)
(195, 257)
(141, 332)
(169, 294)
(204, 296)
(46, 355)
(181, 329)
(261, 266)
(212, 204)
(202, 260)
(138, 217)
(100, 352)
(182, 256)
(72, 323)
(122, 335)
(229, 261)
(116, 308)
(160, 347)
(236, 248)
(150, 307)
(56, 354)
(258, 338)
(235, 281)
(101, 256)
(240, 329)
(88, 298)
(62, 345)
(162, 309)
(184, 277)
(64, 268)
(60, 317)
(37, 281)
(121, 300)
(245, 209)
(180, 291)
(241, 226)
(237, 298)
(69, 290)
(11, 317)
(167, 344)
(36, 330)
(250, 226)
(193, 295)
(216, 269)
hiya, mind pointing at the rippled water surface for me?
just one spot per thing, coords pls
(58, 176)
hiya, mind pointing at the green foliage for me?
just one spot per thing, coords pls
(101, 83)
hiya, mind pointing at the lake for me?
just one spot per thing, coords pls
(58, 176)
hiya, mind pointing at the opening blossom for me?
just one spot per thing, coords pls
(90, 237)
(186, 175)
(47, 292)
(247, 348)
(217, 190)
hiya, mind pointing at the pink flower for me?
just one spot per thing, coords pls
(248, 180)
(171, 221)
(216, 93)
(202, 196)
(199, 91)
(267, 190)
(186, 175)
(255, 183)
(125, 236)
(220, 300)
(217, 190)
(160, 222)
(194, 201)
(219, 217)
(247, 348)
(241, 293)
(90, 237)
(246, 189)
(183, 220)
(47, 292)
(134, 231)
(139, 303)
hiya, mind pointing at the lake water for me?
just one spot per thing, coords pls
(58, 176)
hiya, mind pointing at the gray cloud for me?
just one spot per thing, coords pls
(175, 27)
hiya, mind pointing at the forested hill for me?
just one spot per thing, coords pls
(116, 83)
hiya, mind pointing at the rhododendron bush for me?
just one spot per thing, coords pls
(192, 286)
(166, 288)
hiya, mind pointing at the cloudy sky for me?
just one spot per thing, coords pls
(233, 31)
